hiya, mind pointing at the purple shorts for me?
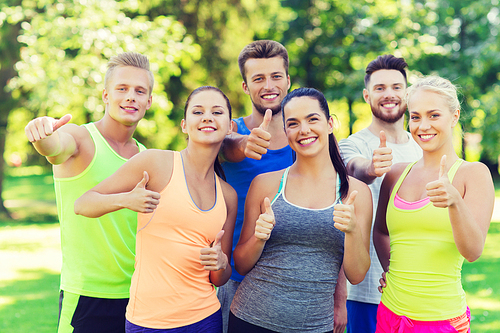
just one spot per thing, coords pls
(389, 322)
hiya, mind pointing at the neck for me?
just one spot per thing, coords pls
(432, 159)
(394, 132)
(115, 131)
(319, 166)
(200, 159)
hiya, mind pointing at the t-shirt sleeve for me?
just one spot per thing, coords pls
(349, 149)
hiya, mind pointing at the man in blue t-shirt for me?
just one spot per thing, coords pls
(259, 144)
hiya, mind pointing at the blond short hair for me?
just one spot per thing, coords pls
(439, 86)
(129, 59)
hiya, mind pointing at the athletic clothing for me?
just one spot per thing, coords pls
(170, 288)
(362, 316)
(240, 326)
(291, 287)
(240, 175)
(97, 253)
(389, 322)
(406, 205)
(83, 314)
(424, 279)
(362, 144)
(211, 324)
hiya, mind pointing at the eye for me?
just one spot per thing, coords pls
(378, 89)
(291, 124)
(141, 91)
(414, 117)
(313, 119)
(277, 76)
(257, 79)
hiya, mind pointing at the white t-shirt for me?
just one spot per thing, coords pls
(362, 144)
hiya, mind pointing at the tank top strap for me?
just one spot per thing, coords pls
(339, 199)
(282, 185)
(400, 180)
(454, 168)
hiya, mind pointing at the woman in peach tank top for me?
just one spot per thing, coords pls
(185, 222)
(432, 214)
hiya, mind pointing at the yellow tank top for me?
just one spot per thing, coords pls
(170, 288)
(424, 278)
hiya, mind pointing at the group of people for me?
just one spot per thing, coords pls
(265, 223)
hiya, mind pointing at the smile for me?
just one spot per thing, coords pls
(389, 105)
(129, 108)
(207, 129)
(273, 96)
(307, 141)
(426, 137)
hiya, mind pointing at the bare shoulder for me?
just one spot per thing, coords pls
(358, 185)
(396, 172)
(473, 172)
(230, 195)
(267, 184)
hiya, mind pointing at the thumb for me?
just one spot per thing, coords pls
(267, 206)
(442, 166)
(218, 238)
(352, 196)
(63, 121)
(267, 119)
(144, 180)
(383, 140)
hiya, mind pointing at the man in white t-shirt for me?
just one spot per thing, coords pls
(369, 155)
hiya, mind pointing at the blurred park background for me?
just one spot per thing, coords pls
(53, 56)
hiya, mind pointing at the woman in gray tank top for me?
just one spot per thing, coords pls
(293, 247)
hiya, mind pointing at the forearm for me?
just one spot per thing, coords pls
(57, 148)
(220, 277)
(469, 239)
(356, 257)
(361, 168)
(340, 295)
(382, 246)
(93, 204)
(233, 147)
(247, 254)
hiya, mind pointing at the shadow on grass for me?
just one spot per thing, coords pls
(30, 303)
(482, 285)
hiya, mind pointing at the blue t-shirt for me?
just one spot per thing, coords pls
(240, 175)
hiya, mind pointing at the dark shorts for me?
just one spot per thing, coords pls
(83, 314)
(211, 324)
(236, 325)
(361, 317)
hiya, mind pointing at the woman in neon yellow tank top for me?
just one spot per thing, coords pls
(431, 215)
(184, 226)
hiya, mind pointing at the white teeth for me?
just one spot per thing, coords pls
(426, 136)
(307, 141)
(207, 129)
(269, 96)
(390, 105)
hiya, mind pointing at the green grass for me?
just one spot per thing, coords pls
(29, 254)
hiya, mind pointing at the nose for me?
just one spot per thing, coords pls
(207, 117)
(268, 84)
(389, 93)
(425, 124)
(131, 95)
(304, 128)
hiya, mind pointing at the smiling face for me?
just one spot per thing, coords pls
(385, 93)
(266, 83)
(306, 126)
(431, 120)
(207, 118)
(126, 96)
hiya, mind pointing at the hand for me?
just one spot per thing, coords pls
(441, 192)
(259, 138)
(383, 283)
(42, 127)
(343, 214)
(142, 200)
(265, 223)
(213, 258)
(382, 158)
(339, 318)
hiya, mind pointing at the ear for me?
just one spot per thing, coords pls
(183, 126)
(331, 125)
(230, 130)
(455, 118)
(366, 95)
(105, 96)
(245, 88)
(289, 82)
(150, 100)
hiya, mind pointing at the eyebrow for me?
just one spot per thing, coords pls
(273, 73)
(428, 111)
(308, 116)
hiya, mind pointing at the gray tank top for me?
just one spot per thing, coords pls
(291, 287)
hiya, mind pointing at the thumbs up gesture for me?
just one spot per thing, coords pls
(213, 258)
(382, 158)
(142, 200)
(441, 192)
(259, 138)
(265, 223)
(42, 127)
(343, 214)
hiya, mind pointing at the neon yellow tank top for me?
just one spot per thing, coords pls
(98, 253)
(424, 278)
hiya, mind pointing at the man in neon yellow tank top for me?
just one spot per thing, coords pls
(98, 254)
